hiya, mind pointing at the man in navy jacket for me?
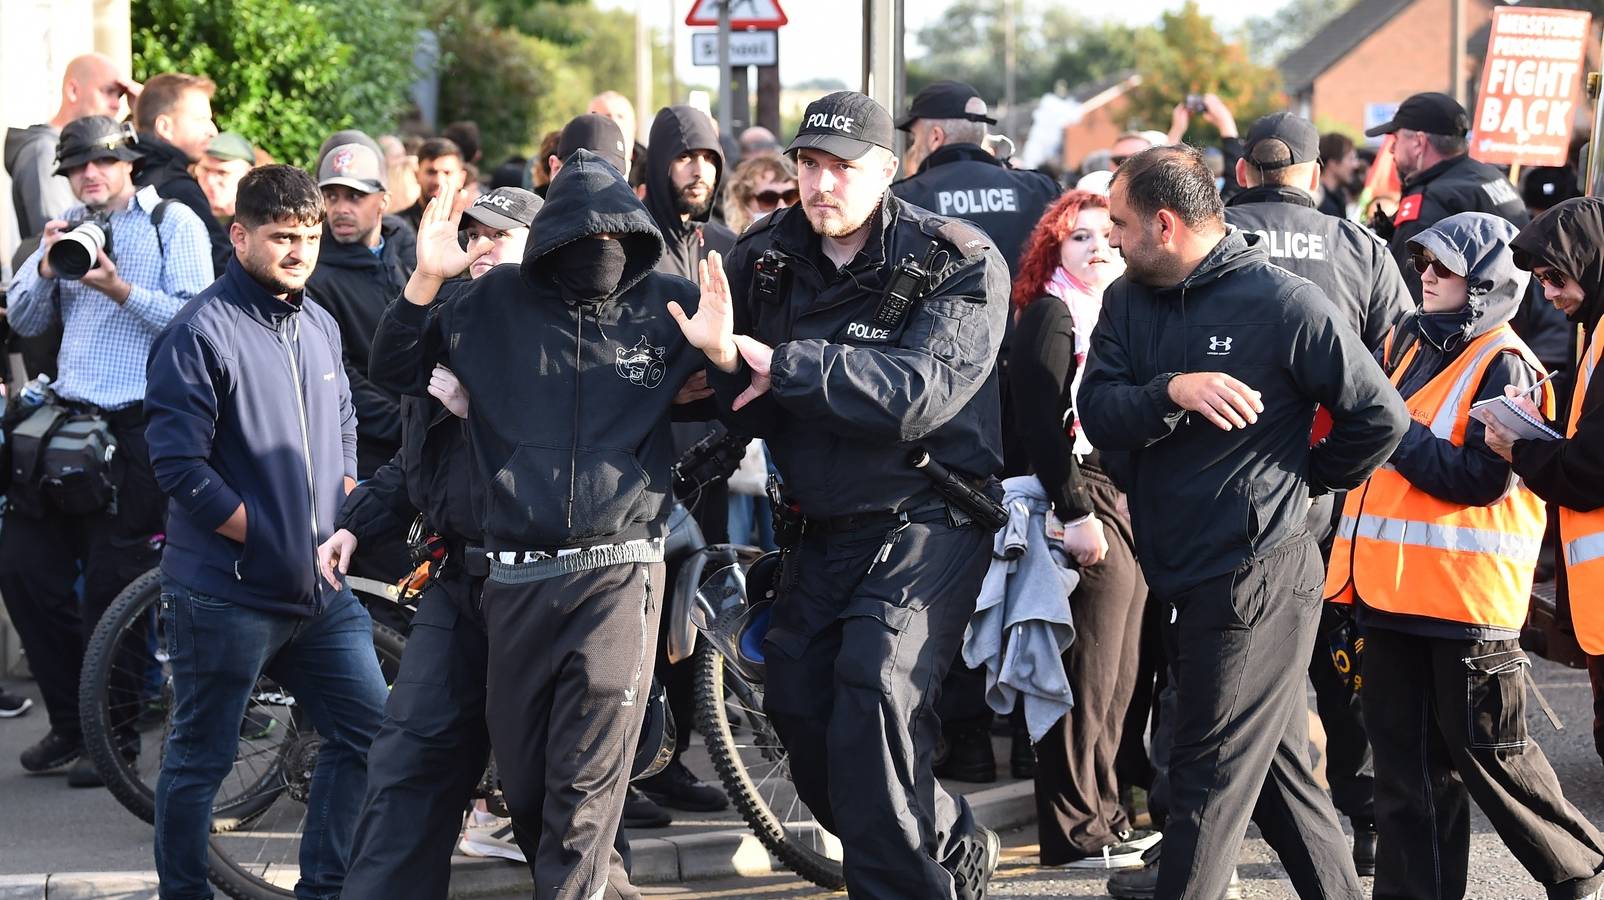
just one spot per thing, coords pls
(253, 437)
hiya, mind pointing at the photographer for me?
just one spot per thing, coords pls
(151, 258)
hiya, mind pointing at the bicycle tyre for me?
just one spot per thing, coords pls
(236, 880)
(712, 720)
(120, 775)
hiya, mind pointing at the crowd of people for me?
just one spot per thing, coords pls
(1225, 413)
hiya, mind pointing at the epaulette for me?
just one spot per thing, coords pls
(961, 236)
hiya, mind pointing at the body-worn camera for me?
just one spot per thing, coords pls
(77, 252)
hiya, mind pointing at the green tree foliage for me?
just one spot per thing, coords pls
(1187, 55)
(1052, 44)
(288, 72)
(1270, 38)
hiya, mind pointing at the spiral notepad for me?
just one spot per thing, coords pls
(1513, 418)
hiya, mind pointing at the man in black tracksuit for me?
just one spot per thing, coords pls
(575, 498)
(951, 174)
(1278, 172)
(1439, 177)
(883, 580)
(1206, 365)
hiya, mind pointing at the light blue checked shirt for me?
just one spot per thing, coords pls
(104, 345)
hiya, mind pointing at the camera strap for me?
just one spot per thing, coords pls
(156, 217)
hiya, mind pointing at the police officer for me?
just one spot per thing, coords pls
(1432, 155)
(951, 173)
(850, 330)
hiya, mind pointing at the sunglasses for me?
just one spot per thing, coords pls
(1423, 261)
(1553, 278)
(770, 199)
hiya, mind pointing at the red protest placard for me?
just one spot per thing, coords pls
(1528, 86)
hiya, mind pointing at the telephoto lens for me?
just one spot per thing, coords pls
(78, 251)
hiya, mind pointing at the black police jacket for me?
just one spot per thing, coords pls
(966, 182)
(355, 286)
(569, 421)
(1452, 186)
(431, 474)
(851, 396)
(1346, 260)
(1204, 500)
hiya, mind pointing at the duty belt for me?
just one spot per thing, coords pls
(866, 521)
(526, 566)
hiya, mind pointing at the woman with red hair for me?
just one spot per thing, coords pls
(1058, 295)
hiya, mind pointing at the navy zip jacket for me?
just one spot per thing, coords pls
(248, 403)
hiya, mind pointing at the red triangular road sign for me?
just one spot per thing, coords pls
(743, 14)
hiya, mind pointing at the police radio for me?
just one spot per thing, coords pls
(909, 280)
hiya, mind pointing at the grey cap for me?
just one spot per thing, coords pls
(356, 163)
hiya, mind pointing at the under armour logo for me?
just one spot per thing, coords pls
(1219, 346)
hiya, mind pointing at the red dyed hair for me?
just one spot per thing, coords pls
(1042, 251)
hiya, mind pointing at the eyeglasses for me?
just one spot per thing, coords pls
(1554, 278)
(768, 200)
(1424, 261)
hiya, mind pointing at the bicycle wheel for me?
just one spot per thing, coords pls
(756, 772)
(124, 698)
(260, 859)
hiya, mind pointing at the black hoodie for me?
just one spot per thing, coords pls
(356, 285)
(1203, 500)
(676, 130)
(570, 417)
(1569, 237)
(165, 166)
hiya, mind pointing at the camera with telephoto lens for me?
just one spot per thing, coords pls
(77, 251)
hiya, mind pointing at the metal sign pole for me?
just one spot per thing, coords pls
(725, 97)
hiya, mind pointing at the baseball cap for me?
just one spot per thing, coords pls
(1432, 113)
(94, 137)
(358, 164)
(229, 146)
(844, 124)
(598, 134)
(946, 100)
(505, 207)
(1297, 133)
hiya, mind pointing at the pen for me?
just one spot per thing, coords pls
(1538, 384)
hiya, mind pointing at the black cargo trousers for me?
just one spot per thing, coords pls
(871, 616)
(571, 644)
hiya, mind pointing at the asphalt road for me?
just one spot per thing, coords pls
(45, 827)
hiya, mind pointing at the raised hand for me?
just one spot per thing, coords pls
(712, 329)
(440, 255)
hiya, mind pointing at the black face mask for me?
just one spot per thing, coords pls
(1446, 330)
(588, 269)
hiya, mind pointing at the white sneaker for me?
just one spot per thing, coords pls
(1121, 855)
(492, 838)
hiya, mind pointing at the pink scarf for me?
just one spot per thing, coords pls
(1084, 305)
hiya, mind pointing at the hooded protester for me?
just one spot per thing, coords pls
(1436, 550)
(574, 516)
(1564, 249)
(684, 167)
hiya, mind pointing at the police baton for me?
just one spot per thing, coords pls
(984, 510)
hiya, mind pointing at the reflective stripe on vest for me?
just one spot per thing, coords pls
(1403, 551)
(1582, 533)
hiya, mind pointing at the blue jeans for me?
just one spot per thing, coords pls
(218, 649)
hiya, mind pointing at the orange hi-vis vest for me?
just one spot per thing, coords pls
(1581, 534)
(1403, 551)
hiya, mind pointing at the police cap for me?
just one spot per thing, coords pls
(946, 100)
(505, 208)
(845, 124)
(1431, 112)
(94, 137)
(1299, 135)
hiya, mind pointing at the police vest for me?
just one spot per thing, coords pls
(1403, 551)
(1581, 535)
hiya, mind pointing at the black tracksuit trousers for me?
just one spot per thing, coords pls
(856, 652)
(1078, 809)
(1241, 742)
(570, 668)
(430, 753)
(1448, 721)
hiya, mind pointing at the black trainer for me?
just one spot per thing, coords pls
(641, 812)
(83, 774)
(52, 752)
(675, 787)
(12, 706)
(1364, 848)
(1022, 755)
(973, 863)
(969, 757)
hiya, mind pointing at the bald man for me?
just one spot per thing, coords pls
(758, 141)
(617, 107)
(91, 86)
